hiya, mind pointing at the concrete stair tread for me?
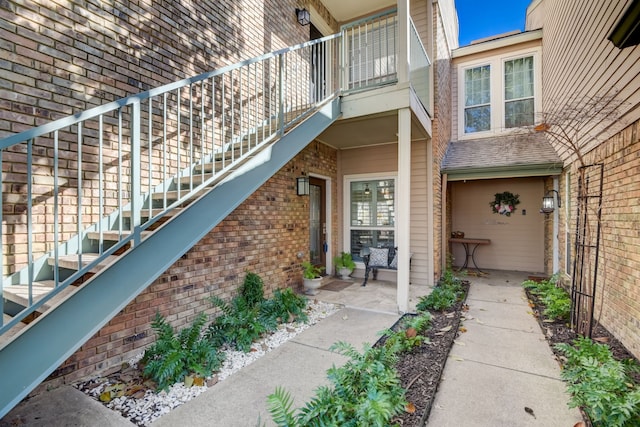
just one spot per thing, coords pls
(20, 293)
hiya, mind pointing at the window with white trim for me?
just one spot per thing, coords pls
(371, 214)
(498, 93)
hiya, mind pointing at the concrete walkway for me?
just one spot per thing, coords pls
(501, 365)
(299, 366)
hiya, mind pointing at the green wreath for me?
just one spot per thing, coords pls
(505, 203)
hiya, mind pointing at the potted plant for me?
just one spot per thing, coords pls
(344, 265)
(312, 278)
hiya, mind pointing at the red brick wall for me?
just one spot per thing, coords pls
(263, 235)
(61, 57)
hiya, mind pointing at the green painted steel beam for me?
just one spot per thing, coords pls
(40, 348)
(520, 171)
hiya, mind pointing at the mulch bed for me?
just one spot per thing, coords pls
(557, 332)
(421, 369)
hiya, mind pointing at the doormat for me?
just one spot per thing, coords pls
(336, 285)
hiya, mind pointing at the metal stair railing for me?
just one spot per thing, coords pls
(119, 168)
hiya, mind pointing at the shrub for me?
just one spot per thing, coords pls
(285, 306)
(409, 334)
(555, 299)
(249, 315)
(448, 291)
(601, 385)
(252, 290)
(238, 325)
(365, 391)
(173, 356)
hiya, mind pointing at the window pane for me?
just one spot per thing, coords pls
(385, 195)
(361, 204)
(372, 214)
(477, 86)
(361, 239)
(477, 119)
(518, 78)
(519, 113)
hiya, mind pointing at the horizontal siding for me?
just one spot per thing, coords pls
(419, 213)
(582, 64)
(383, 159)
(517, 241)
(374, 159)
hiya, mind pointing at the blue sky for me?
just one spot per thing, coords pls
(483, 18)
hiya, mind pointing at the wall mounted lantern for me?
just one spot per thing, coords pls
(366, 190)
(303, 16)
(302, 186)
(548, 202)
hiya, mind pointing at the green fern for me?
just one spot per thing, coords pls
(443, 296)
(173, 356)
(252, 290)
(279, 405)
(238, 325)
(365, 391)
(285, 306)
(601, 385)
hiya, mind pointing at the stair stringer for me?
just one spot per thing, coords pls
(41, 347)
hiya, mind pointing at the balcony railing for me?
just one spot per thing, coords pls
(370, 52)
(420, 66)
(370, 56)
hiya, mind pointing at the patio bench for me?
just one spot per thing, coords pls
(379, 259)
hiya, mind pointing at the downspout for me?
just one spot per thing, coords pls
(556, 230)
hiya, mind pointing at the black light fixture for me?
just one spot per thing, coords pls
(366, 190)
(548, 202)
(303, 16)
(302, 186)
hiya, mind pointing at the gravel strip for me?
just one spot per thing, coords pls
(145, 406)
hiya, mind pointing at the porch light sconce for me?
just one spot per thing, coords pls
(302, 186)
(548, 202)
(303, 17)
(366, 190)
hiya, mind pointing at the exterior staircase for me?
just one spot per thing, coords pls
(87, 279)
(98, 195)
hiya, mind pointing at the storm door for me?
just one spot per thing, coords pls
(317, 222)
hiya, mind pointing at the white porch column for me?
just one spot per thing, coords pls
(403, 207)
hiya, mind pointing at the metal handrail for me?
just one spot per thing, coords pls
(146, 154)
